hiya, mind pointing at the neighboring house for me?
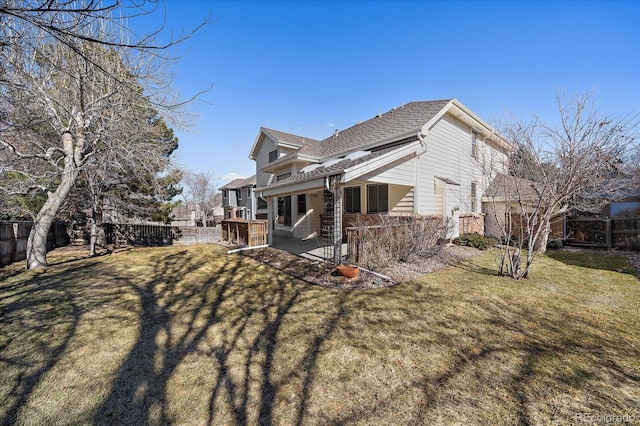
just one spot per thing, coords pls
(505, 203)
(421, 158)
(238, 200)
(191, 214)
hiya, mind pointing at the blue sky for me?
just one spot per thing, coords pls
(311, 67)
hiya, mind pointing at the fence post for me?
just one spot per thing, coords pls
(608, 233)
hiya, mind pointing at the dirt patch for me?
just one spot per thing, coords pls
(325, 275)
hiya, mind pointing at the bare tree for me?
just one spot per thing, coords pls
(200, 190)
(72, 94)
(574, 165)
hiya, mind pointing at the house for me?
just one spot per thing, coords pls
(421, 158)
(509, 200)
(238, 200)
(191, 213)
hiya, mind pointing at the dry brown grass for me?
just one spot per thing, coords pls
(190, 335)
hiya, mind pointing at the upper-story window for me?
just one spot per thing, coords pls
(273, 155)
(240, 194)
(224, 193)
(474, 144)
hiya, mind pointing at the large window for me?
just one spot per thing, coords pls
(377, 198)
(352, 199)
(284, 210)
(474, 197)
(273, 155)
(262, 203)
(302, 204)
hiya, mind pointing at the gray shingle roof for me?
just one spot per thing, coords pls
(240, 183)
(506, 186)
(395, 122)
(336, 167)
(291, 138)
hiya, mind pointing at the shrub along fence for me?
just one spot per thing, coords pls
(14, 236)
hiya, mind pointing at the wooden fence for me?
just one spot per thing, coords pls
(14, 236)
(604, 232)
(126, 234)
(196, 234)
(245, 232)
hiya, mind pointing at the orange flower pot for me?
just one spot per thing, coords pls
(348, 270)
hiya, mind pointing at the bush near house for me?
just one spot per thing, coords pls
(476, 240)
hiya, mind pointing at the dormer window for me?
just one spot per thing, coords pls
(273, 155)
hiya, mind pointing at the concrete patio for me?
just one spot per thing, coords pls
(311, 249)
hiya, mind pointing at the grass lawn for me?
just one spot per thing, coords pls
(191, 335)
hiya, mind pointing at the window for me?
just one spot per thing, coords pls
(352, 199)
(262, 203)
(377, 198)
(284, 210)
(474, 144)
(273, 155)
(224, 193)
(239, 213)
(474, 197)
(302, 204)
(240, 194)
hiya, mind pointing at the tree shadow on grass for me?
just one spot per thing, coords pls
(593, 259)
(261, 341)
(39, 317)
(245, 316)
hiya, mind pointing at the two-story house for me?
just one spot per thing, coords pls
(421, 158)
(238, 200)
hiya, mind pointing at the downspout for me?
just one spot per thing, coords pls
(416, 191)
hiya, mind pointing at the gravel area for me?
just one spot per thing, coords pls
(325, 275)
(634, 259)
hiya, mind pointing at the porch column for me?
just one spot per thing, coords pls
(269, 221)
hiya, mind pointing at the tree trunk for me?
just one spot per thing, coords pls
(37, 242)
(94, 231)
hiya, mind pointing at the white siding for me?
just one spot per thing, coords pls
(262, 159)
(304, 225)
(266, 145)
(449, 156)
(399, 172)
(400, 200)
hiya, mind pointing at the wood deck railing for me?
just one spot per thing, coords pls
(246, 232)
